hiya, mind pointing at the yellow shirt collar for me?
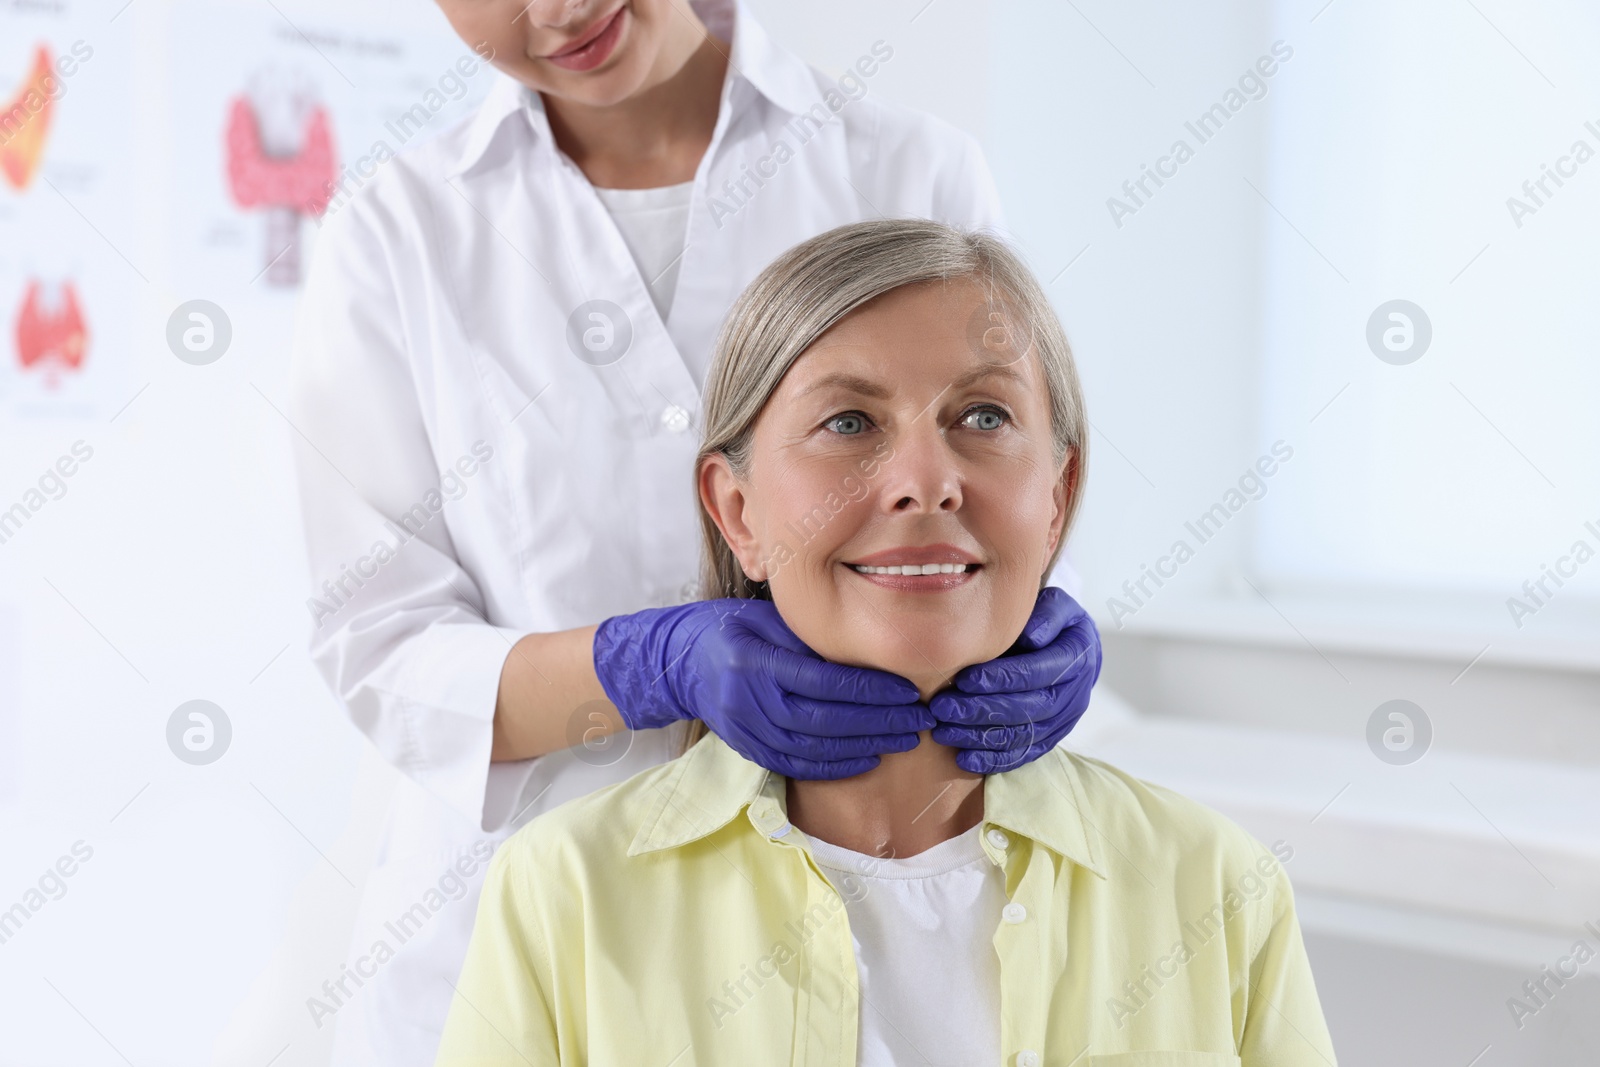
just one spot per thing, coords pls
(712, 785)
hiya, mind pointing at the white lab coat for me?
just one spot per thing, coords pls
(467, 479)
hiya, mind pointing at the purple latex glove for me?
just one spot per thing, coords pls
(738, 667)
(1013, 709)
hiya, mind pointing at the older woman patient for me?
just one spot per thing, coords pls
(894, 450)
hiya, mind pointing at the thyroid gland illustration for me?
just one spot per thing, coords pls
(280, 160)
(25, 121)
(52, 336)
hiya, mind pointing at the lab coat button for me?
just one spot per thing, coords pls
(675, 418)
(998, 838)
(1013, 913)
(1027, 1058)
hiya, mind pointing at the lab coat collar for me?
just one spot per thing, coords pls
(712, 784)
(755, 59)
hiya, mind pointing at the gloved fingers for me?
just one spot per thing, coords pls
(821, 748)
(983, 761)
(761, 618)
(1053, 611)
(987, 738)
(767, 640)
(821, 680)
(987, 750)
(808, 764)
(842, 749)
(997, 709)
(816, 771)
(763, 720)
(836, 719)
(1075, 651)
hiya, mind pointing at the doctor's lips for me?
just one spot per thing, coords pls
(594, 45)
(928, 568)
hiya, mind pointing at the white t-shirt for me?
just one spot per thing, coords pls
(924, 929)
(654, 225)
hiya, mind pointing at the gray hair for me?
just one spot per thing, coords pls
(809, 288)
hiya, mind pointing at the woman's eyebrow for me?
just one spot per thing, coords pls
(867, 387)
(989, 370)
(850, 382)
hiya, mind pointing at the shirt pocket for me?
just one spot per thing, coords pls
(1166, 1059)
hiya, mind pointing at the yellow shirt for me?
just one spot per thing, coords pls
(678, 918)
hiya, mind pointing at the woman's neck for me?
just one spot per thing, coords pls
(655, 137)
(907, 804)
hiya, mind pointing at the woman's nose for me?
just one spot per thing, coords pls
(923, 474)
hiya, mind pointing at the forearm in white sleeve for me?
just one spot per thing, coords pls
(401, 640)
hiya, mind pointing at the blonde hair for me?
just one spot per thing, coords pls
(812, 286)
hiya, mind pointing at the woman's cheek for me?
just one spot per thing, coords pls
(1020, 535)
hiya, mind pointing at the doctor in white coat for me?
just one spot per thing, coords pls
(496, 383)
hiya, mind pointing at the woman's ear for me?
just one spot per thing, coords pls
(1065, 487)
(723, 497)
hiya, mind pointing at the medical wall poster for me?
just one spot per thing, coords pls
(52, 334)
(70, 248)
(285, 115)
(25, 119)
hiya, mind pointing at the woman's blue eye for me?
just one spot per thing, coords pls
(985, 419)
(849, 423)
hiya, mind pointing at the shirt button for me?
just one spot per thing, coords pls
(675, 418)
(1013, 913)
(998, 838)
(768, 819)
(1027, 1058)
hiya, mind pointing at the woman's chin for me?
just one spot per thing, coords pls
(929, 664)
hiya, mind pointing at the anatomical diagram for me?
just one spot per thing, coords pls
(281, 162)
(52, 335)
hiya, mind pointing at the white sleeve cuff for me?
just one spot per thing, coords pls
(447, 701)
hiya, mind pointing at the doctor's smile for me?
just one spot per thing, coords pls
(594, 45)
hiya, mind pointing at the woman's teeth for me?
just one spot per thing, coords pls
(916, 568)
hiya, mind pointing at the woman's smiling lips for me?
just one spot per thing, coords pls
(592, 47)
(922, 569)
